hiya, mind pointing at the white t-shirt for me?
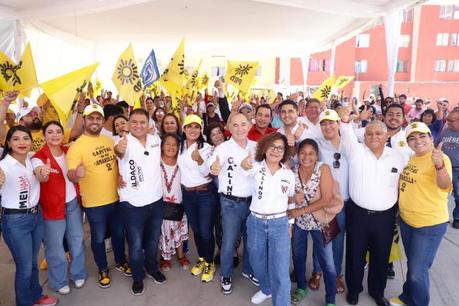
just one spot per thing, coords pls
(70, 191)
(21, 189)
(141, 171)
(193, 174)
(231, 180)
(270, 193)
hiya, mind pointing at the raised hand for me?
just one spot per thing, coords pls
(291, 141)
(299, 131)
(196, 156)
(216, 167)
(80, 171)
(122, 145)
(246, 163)
(46, 168)
(437, 156)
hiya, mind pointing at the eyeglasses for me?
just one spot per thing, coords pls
(336, 163)
(279, 149)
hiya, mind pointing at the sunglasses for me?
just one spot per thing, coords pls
(336, 163)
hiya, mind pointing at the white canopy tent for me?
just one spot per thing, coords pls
(68, 34)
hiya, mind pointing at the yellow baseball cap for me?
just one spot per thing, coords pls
(329, 114)
(192, 119)
(93, 108)
(417, 127)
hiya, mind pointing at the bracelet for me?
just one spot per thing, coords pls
(441, 167)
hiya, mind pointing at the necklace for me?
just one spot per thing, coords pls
(166, 181)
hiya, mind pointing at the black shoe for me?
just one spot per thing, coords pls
(456, 224)
(137, 288)
(235, 261)
(226, 285)
(157, 277)
(217, 259)
(382, 301)
(391, 272)
(352, 299)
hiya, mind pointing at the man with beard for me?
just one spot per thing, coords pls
(92, 163)
(29, 117)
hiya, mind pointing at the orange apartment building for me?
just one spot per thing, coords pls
(427, 63)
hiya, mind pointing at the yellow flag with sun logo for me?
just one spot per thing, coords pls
(174, 76)
(202, 81)
(126, 77)
(241, 74)
(323, 91)
(342, 81)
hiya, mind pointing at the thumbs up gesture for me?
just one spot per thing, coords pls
(46, 168)
(246, 163)
(290, 137)
(196, 156)
(216, 167)
(80, 171)
(299, 131)
(122, 145)
(2, 177)
(437, 156)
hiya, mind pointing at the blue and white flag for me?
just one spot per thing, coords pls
(150, 72)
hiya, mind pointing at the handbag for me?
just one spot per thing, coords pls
(173, 211)
(330, 231)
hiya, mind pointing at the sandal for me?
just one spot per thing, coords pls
(340, 284)
(164, 264)
(314, 281)
(298, 296)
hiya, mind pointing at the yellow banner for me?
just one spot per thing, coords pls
(323, 91)
(342, 81)
(241, 74)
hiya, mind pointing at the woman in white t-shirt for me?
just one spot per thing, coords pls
(22, 222)
(173, 233)
(62, 215)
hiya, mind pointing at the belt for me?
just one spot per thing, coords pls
(269, 216)
(203, 187)
(236, 199)
(368, 211)
(11, 211)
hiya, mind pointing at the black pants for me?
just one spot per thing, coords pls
(368, 231)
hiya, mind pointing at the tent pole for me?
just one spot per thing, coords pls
(392, 27)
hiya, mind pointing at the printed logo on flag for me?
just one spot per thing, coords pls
(127, 73)
(9, 71)
(150, 72)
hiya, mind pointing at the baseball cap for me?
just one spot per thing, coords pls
(419, 127)
(210, 104)
(192, 119)
(245, 105)
(329, 114)
(93, 108)
(23, 112)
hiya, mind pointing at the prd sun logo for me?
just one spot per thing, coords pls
(127, 72)
(9, 72)
(324, 92)
(242, 70)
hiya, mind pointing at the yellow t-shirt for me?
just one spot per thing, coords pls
(422, 202)
(99, 185)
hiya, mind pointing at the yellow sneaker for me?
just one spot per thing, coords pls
(395, 301)
(198, 267)
(104, 279)
(208, 272)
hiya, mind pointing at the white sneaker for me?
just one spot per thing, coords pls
(259, 297)
(64, 290)
(79, 283)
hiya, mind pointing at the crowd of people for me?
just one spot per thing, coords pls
(248, 173)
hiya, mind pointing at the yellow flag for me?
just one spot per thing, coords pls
(323, 91)
(175, 75)
(202, 81)
(342, 81)
(153, 89)
(62, 91)
(21, 77)
(241, 74)
(98, 87)
(126, 77)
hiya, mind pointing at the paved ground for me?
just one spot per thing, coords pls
(184, 289)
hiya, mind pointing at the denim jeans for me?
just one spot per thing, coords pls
(456, 193)
(23, 234)
(100, 219)
(337, 245)
(421, 245)
(72, 228)
(234, 216)
(200, 209)
(143, 227)
(325, 257)
(268, 244)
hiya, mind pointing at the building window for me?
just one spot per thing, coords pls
(407, 16)
(218, 71)
(313, 65)
(442, 39)
(405, 41)
(362, 41)
(453, 66)
(454, 39)
(440, 65)
(446, 11)
(361, 66)
(402, 66)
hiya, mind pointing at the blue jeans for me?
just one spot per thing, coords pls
(72, 228)
(234, 215)
(143, 227)
(268, 244)
(100, 219)
(325, 257)
(23, 234)
(200, 209)
(421, 245)
(456, 193)
(337, 245)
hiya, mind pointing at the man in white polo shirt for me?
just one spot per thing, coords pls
(374, 170)
(139, 156)
(235, 195)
